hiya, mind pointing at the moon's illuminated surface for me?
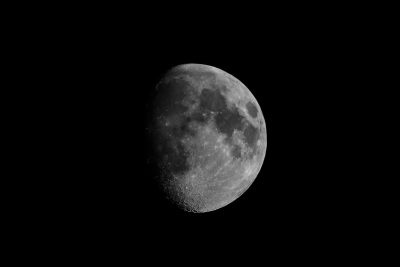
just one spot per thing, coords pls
(209, 136)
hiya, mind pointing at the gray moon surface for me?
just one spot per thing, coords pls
(209, 137)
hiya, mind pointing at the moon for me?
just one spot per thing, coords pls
(208, 136)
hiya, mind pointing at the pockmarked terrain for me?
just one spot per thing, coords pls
(209, 137)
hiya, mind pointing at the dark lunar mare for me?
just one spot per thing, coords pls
(236, 151)
(252, 109)
(251, 135)
(227, 118)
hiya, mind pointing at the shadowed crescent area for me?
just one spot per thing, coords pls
(209, 137)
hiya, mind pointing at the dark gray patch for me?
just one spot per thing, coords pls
(170, 96)
(183, 128)
(251, 135)
(212, 100)
(201, 117)
(227, 119)
(236, 151)
(252, 109)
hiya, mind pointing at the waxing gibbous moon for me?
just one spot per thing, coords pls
(208, 136)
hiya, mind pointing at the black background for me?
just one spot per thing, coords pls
(97, 83)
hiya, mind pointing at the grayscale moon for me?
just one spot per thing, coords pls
(209, 137)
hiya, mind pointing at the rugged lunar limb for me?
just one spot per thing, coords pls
(210, 137)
